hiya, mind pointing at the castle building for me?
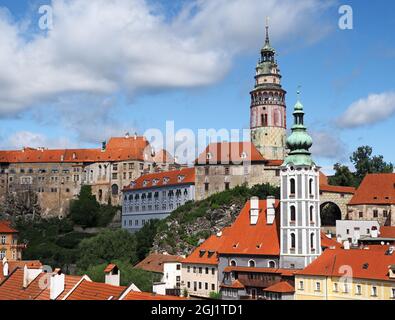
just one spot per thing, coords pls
(56, 176)
(268, 109)
(300, 227)
(155, 196)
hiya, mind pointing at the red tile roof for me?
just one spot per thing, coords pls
(88, 290)
(11, 286)
(242, 238)
(229, 152)
(110, 267)
(387, 232)
(154, 262)
(235, 285)
(376, 189)
(117, 149)
(365, 263)
(326, 187)
(328, 242)
(133, 295)
(13, 265)
(168, 178)
(281, 287)
(207, 252)
(69, 284)
(5, 227)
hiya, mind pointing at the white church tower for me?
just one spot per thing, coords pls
(300, 226)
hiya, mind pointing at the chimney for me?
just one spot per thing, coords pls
(127, 135)
(135, 136)
(374, 232)
(57, 284)
(254, 210)
(112, 275)
(29, 275)
(346, 245)
(5, 267)
(271, 211)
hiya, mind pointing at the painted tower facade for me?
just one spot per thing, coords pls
(300, 225)
(268, 109)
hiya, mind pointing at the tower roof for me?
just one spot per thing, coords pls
(299, 142)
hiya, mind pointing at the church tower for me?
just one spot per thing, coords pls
(268, 109)
(300, 225)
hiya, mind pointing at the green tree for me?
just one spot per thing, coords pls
(342, 177)
(107, 246)
(365, 163)
(85, 210)
(215, 295)
(141, 278)
(145, 238)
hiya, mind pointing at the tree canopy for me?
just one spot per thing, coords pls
(85, 210)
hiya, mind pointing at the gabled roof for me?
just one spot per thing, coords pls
(207, 252)
(161, 179)
(88, 290)
(328, 242)
(229, 152)
(110, 267)
(11, 286)
(326, 187)
(242, 238)
(5, 227)
(13, 265)
(154, 262)
(365, 263)
(117, 149)
(235, 285)
(375, 189)
(281, 287)
(69, 284)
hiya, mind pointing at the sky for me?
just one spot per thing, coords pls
(101, 68)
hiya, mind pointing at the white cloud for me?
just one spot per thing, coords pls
(327, 145)
(108, 46)
(23, 139)
(373, 109)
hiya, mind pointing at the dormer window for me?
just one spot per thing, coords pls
(145, 183)
(155, 182)
(166, 180)
(181, 178)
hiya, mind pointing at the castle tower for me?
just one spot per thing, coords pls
(268, 109)
(300, 225)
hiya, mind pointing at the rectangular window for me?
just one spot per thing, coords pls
(206, 186)
(385, 213)
(114, 176)
(3, 239)
(358, 290)
(227, 171)
(206, 270)
(318, 286)
(335, 287)
(200, 270)
(141, 166)
(189, 285)
(207, 171)
(375, 213)
(178, 267)
(200, 285)
(227, 185)
(188, 269)
(131, 166)
(213, 287)
(115, 167)
(361, 214)
(194, 286)
(393, 293)
(301, 285)
(206, 286)
(374, 291)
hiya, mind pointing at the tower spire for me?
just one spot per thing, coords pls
(267, 41)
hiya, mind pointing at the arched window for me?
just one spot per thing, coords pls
(293, 214)
(311, 187)
(271, 264)
(292, 186)
(130, 198)
(293, 241)
(233, 263)
(312, 246)
(251, 264)
(311, 214)
(114, 189)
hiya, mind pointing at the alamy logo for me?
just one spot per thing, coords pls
(46, 20)
(346, 21)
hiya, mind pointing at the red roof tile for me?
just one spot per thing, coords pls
(168, 178)
(154, 262)
(242, 238)
(10, 288)
(88, 290)
(281, 287)
(337, 189)
(5, 227)
(207, 252)
(117, 149)
(229, 152)
(110, 267)
(376, 189)
(284, 272)
(364, 263)
(235, 285)
(69, 284)
(328, 242)
(387, 232)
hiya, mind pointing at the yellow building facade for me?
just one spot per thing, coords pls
(9, 247)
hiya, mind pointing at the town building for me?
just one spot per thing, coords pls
(155, 196)
(56, 176)
(355, 274)
(169, 267)
(374, 199)
(353, 230)
(200, 274)
(9, 246)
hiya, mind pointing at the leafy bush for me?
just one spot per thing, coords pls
(85, 210)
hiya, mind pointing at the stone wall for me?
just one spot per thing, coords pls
(384, 214)
(340, 199)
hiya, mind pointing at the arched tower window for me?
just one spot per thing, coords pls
(293, 214)
(311, 187)
(312, 238)
(292, 186)
(272, 264)
(293, 241)
(311, 214)
(251, 264)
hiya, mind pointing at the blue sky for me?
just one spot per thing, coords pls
(194, 64)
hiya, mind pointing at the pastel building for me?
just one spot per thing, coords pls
(155, 196)
(9, 246)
